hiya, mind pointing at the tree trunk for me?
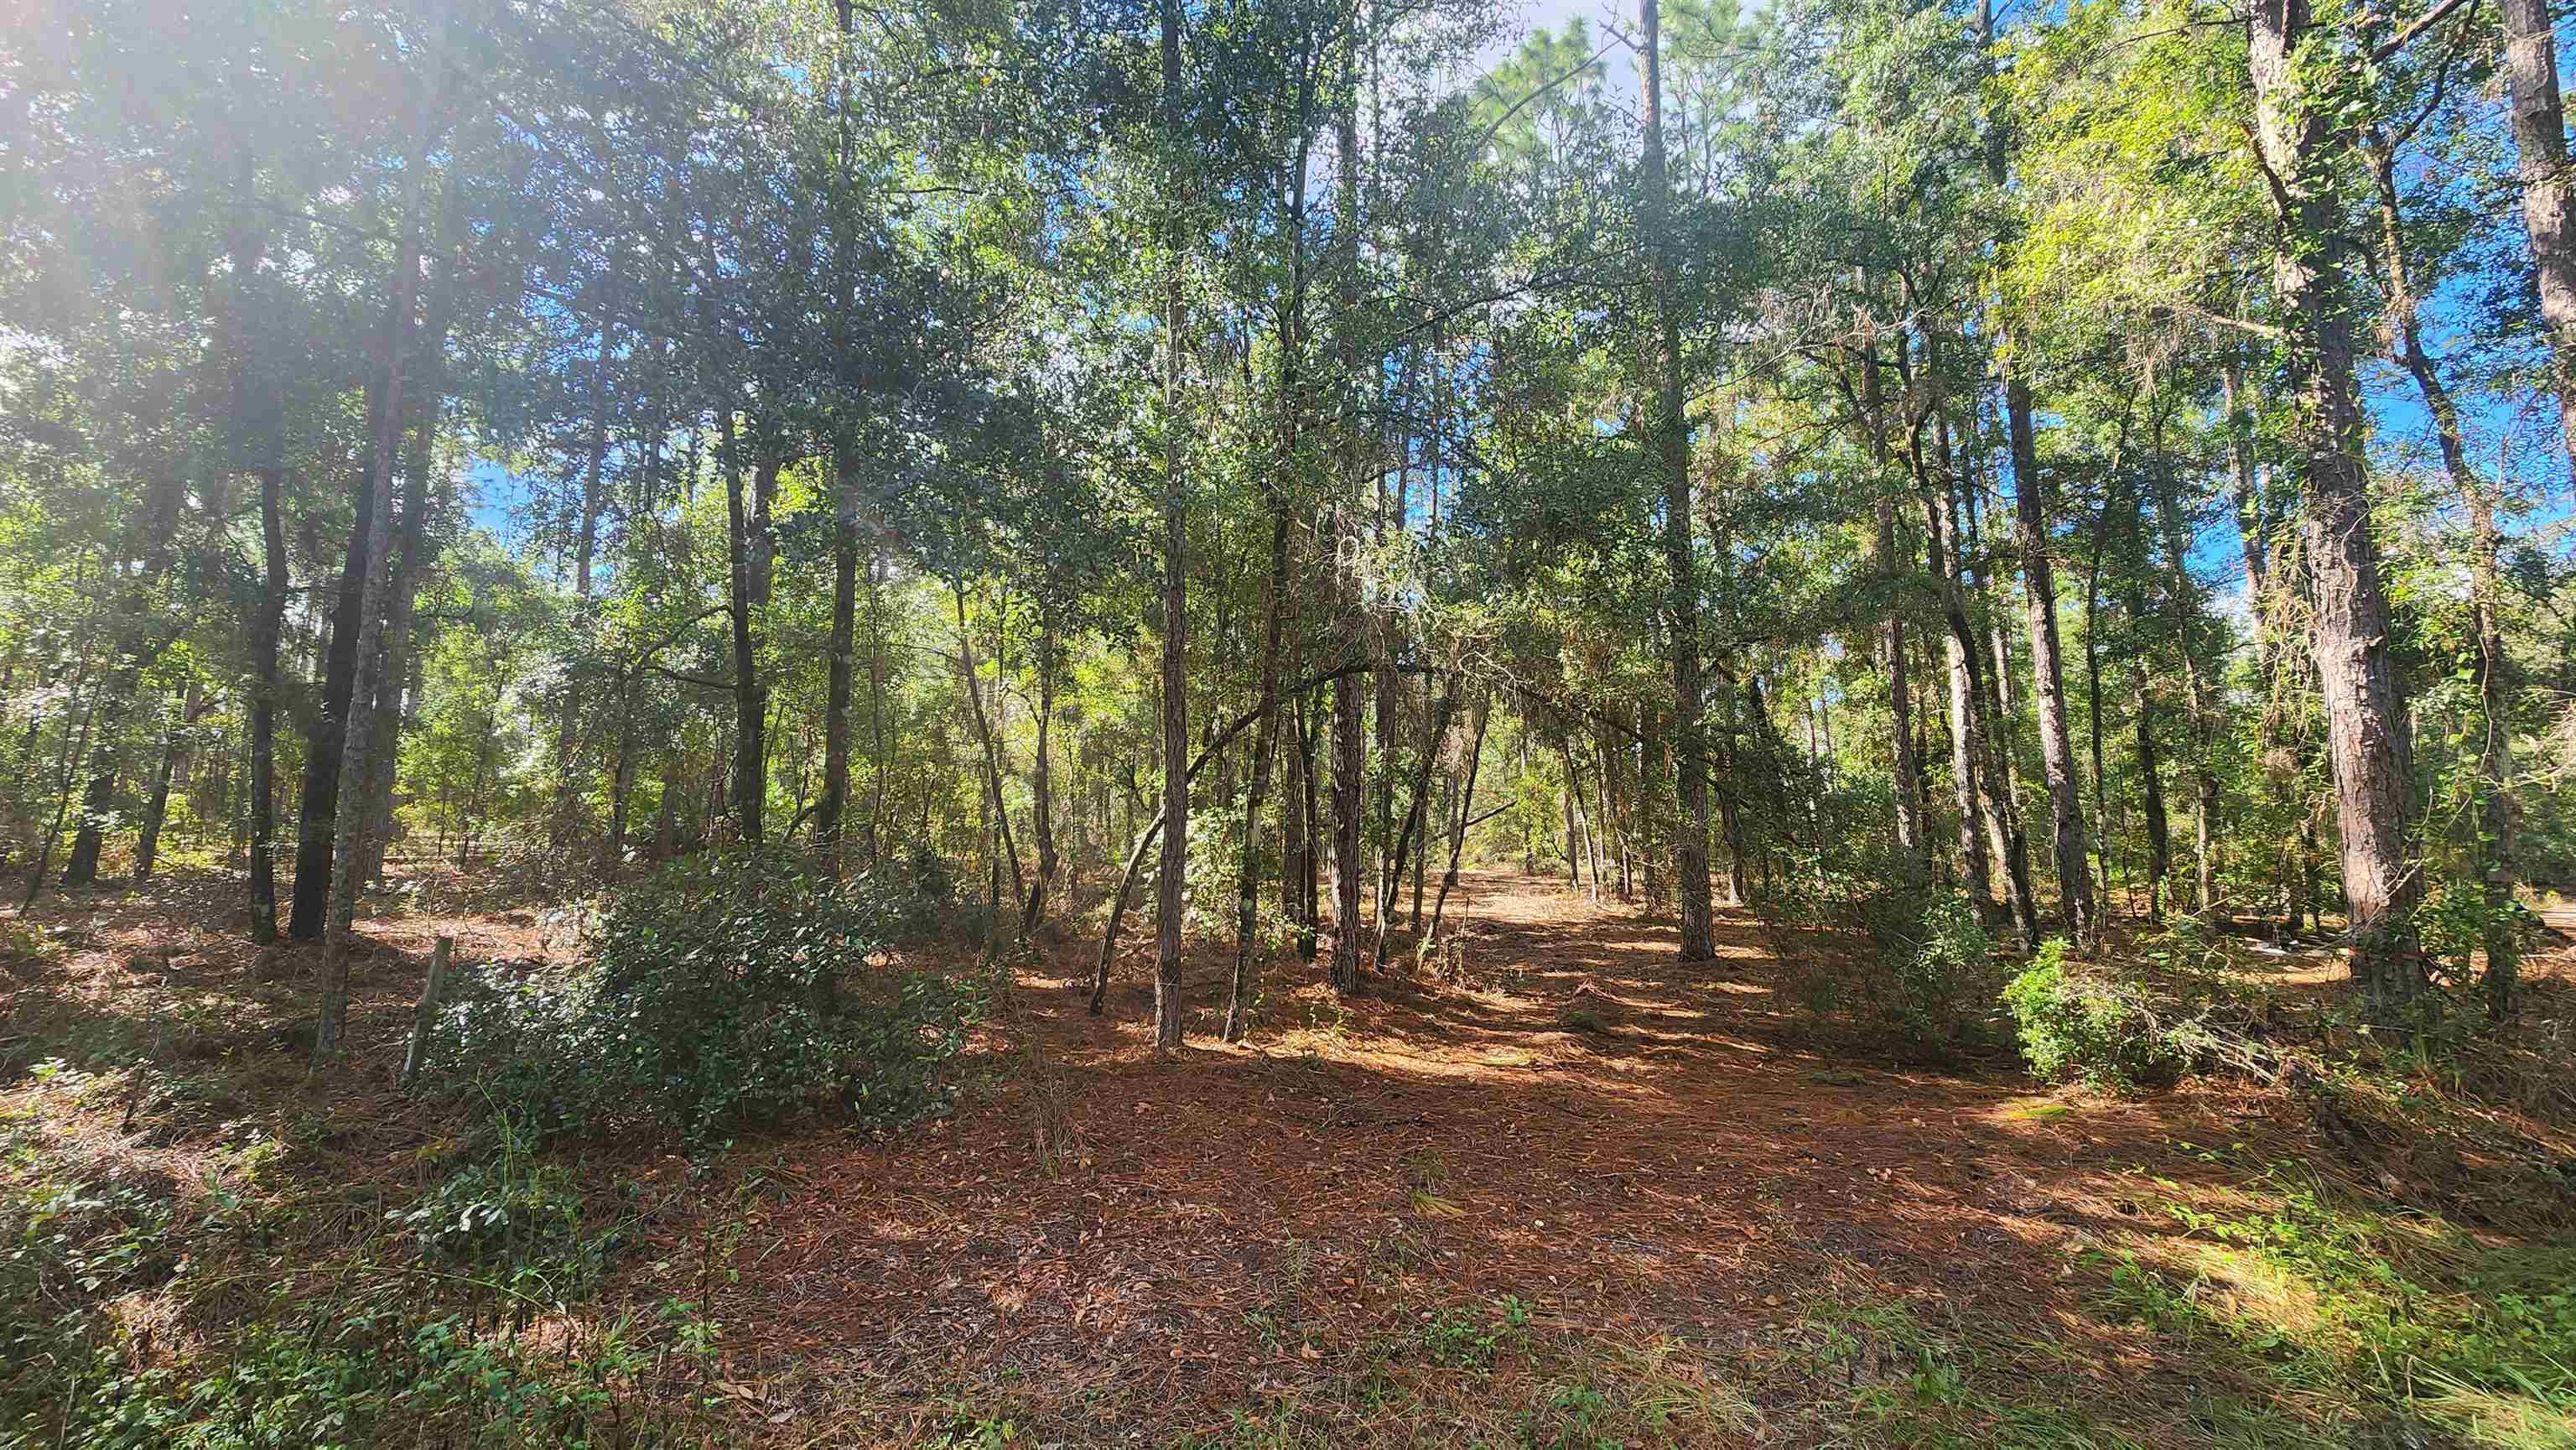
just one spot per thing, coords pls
(1986, 664)
(969, 671)
(585, 546)
(1170, 900)
(415, 545)
(357, 739)
(75, 746)
(1906, 784)
(156, 805)
(881, 766)
(2366, 728)
(2540, 161)
(831, 812)
(1412, 827)
(750, 700)
(1460, 822)
(1042, 778)
(1967, 742)
(2048, 676)
(1349, 763)
(1671, 431)
(266, 626)
(319, 806)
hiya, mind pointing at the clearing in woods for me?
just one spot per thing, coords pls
(1566, 1192)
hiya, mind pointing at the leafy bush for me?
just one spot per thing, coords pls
(2088, 1025)
(2464, 917)
(513, 1219)
(1921, 968)
(721, 992)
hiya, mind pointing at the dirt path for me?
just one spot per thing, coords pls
(1098, 1229)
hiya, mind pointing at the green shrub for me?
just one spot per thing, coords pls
(2463, 918)
(2085, 1024)
(722, 992)
(1922, 969)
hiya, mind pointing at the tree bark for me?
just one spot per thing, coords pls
(1349, 762)
(2048, 676)
(2540, 161)
(1173, 887)
(266, 626)
(2366, 727)
(357, 738)
(1903, 764)
(831, 812)
(749, 697)
(1671, 430)
(1042, 777)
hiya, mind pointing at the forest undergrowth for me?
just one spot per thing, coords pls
(1566, 1193)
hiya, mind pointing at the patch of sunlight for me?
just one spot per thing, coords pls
(2033, 1112)
(2483, 1417)
(1742, 989)
(2258, 1289)
(1438, 1066)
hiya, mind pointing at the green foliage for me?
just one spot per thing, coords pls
(1919, 967)
(2082, 1023)
(2464, 925)
(514, 1218)
(718, 994)
(1466, 1339)
(2399, 1309)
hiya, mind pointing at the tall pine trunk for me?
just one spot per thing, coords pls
(1172, 889)
(2540, 162)
(1671, 431)
(750, 699)
(2366, 727)
(357, 738)
(1348, 751)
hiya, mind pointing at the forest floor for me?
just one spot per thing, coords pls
(1573, 1195)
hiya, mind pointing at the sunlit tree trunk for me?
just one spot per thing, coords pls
(2366, 728)
(2048, 675)
(2540, 162)
(1903, 762)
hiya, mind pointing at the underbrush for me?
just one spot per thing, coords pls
(1911, 969)
(2370, 1316)
(714, 995)
(246, 1306)
(2139, 1020)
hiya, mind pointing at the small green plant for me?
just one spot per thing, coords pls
(1569, 1417)
(2086, 1025)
